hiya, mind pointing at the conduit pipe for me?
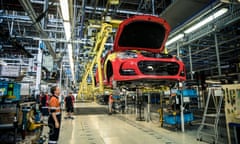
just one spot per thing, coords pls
(32, 14)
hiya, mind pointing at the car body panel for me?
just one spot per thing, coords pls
(143, 68)
(142, 32)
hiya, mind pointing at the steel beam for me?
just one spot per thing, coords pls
(33, 16)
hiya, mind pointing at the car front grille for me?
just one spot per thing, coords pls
(158, 68)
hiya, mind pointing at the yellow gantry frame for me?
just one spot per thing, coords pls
(101, 39)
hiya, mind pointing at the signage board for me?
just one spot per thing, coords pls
(9, 71)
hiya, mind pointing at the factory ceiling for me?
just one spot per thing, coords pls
(29, 21)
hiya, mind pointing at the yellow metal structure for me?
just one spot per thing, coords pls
(101, 39)
(97, 24)
(83, 85)
(155, 89)
(113, 2)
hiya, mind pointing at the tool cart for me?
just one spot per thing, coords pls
(17, 115)
(10, 113)
(172, 114)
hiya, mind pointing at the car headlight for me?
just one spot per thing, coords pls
(127, 55)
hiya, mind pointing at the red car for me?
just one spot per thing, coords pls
(138, 54)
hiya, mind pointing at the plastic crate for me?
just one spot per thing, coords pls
(170, 119)
(176, 119)
(3, 88)
(10, 95)
(189, 93)
(17, 91)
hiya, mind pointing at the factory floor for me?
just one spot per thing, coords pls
(93, 125)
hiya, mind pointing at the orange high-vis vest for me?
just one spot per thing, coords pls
(54, 105)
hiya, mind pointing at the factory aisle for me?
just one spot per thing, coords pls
(92, 125)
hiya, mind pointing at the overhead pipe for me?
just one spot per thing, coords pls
(217, 55)
(117, 11)
(45, 9)
(73, 19)
(213, 4)
(32, 14)
(200, 59)
(219, 43)
(95, 6)
(100, 9)
(26, 19)
(139, 6)
(153, 7)
(190, 61)
(15, 17)
(70, 4)
(82, 18)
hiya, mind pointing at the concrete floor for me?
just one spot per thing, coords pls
(92, 125)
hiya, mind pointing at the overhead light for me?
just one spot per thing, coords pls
(71, 60)
(178, 37)
(66, 22)
(206, 20)
(64, 9)
(2, 62)
(231, 1)
(67, 29)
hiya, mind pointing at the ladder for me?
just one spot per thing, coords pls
(210, 128)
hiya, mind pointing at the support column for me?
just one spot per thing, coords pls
(45, 8)
(60, 79)
(180, 88)
(178, 49)
(190, 61)
(39, 68)
(217, 55)
(148, 107)
(153, 7)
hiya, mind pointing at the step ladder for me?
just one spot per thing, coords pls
(210, 128)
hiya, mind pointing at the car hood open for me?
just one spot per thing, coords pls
(142, 32)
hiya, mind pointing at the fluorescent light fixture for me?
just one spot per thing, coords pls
(206, 20)
(178, 37)
(3, 63)
(71, 60)
(67, 29)
(64, 9)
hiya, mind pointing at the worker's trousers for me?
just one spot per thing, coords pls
(54, 132)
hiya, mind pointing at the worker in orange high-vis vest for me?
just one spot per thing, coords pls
(54, 119)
